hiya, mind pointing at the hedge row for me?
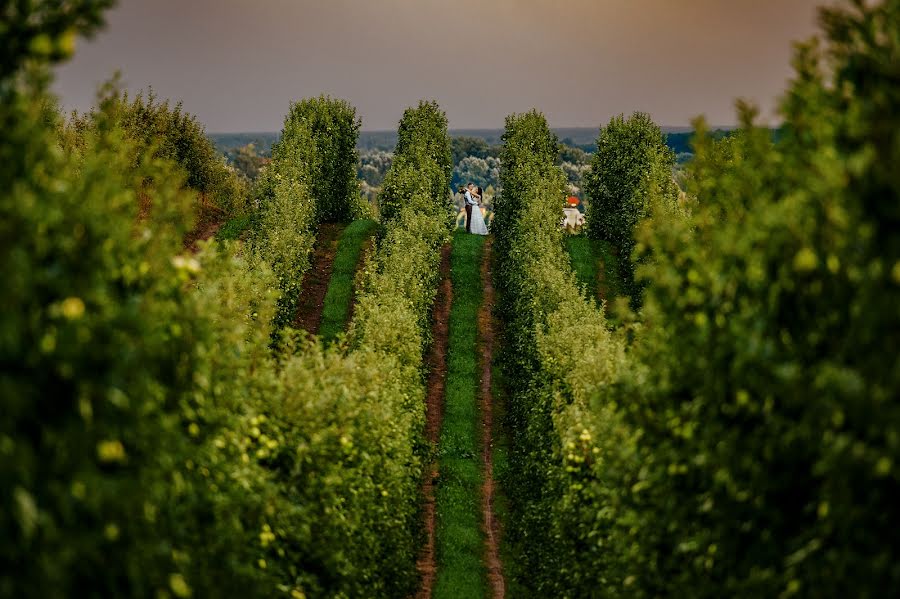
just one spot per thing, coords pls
(118, 401)
(152, 443)
(319, 137)
(420, 166)
(631, 169)
(161, 130)
(383, 352)
(311, 179)
(768, 379)
(746, 445)
(561, 353)
(284, 228)
(339, 431)
(286, 217)
(392, 314)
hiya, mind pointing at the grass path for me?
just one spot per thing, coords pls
(460, 566)
(315, 280)
(340, 295)
(596, 266)
(235, 228)
(467, 534)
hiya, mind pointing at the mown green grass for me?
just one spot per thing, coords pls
(234, 228)
(340, 288)
(460, 542)
(596, 266)
(584, 261)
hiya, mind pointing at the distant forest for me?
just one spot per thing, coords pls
(583, 138)
(475, 154)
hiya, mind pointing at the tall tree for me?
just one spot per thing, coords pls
(632, 166)
(334, 128)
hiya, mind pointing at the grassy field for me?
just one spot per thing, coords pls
(460, 542)
(234, 228)
(596, 266)
(584, 261)
(340, 289)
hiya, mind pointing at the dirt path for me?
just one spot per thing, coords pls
(210, 219)
(437, 365)
(315, 281)
(203, 232)
(486, 334)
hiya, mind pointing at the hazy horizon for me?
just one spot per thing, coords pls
(237, 66)
(663, 126)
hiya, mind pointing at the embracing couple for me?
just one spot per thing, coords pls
(474, 219)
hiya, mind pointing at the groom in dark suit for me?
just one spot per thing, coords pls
(470, 201)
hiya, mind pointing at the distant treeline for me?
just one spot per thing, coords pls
(583, 138)
(264, 141)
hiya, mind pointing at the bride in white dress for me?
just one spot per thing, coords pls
(477, 226)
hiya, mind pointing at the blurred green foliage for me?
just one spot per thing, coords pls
(165, 131)
(463, 146)
(768, 374)
(745, 444)
(112, 383)
(247, 160)
(44, 31)
(631, 167)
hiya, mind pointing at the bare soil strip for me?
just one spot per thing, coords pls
(203, 232)
(315, 281)
(486, 342)
(434, 403)
(210, 219)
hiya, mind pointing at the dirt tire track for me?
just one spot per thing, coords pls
(203, 232)
(486, 335)
(434, 410)
(315, 281)
(210, 219)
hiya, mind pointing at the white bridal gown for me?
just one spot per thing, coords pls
(478, 227)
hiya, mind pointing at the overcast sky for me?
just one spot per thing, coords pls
(237, 64)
